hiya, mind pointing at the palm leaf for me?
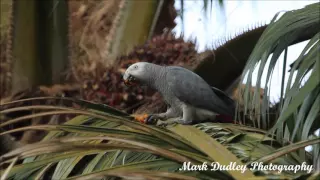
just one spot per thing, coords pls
(103, 142)
(298, 101)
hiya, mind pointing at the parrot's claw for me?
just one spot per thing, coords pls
(151, 119)
(165, 124)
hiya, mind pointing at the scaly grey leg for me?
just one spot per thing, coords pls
(187, 118)
(170, 113)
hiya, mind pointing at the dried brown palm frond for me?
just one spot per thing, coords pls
(90, 23)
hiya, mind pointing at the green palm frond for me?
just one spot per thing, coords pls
(102, 141)
(299, 107)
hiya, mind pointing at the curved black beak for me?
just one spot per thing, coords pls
(129, 80)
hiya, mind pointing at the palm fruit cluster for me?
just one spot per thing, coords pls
(164, 49)
(104, 84)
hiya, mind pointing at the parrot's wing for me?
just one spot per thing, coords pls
(190, 88)
(223, 96)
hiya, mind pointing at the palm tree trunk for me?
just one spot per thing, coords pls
(39, 42)
(134, 26)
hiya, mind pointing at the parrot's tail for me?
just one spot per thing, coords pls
(229, 103)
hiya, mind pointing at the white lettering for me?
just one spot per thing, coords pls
(254, 166)
(187, 166)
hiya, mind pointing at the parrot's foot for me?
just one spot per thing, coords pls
(152, 119)
(175, 122)
(183, 122)
(165, 124)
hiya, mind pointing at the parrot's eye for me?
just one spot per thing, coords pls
(136, 67)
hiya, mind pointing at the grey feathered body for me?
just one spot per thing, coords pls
(183, 87)
(189, 98)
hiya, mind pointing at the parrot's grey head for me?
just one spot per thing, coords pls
(138, 73)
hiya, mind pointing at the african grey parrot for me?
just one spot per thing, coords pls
(189, 98)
